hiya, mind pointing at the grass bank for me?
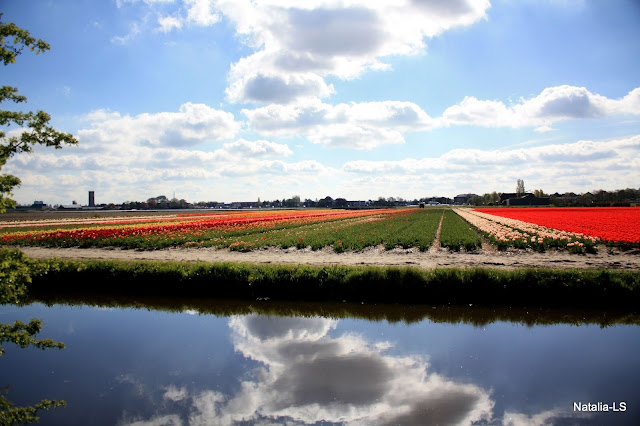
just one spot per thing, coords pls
(440, 286)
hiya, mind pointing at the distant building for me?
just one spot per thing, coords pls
(528, 200)
(462, 198)
(70, 207)
(92, 201)
(506, 196)
(440, 200)
(240, 205)
(37, 205)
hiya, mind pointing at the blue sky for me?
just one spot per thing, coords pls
(234, 100)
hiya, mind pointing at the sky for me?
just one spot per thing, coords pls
(235, 100)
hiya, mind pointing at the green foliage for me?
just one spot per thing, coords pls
(14, 275)
(14, 266)
(11, 415)
(456, 233)
(23, 335)
(34, 125)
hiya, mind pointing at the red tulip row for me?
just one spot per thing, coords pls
(170, 232)
(619, 224)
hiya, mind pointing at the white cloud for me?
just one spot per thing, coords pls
(175, 394)
(200, 12)
(134, 30)
(194, 12)
(192, 124)
(260, 148)
(584, 154)
(281, 89)
(330, 38)
(309, 376)
(169, 23)
(552, 105)
(356, 125)
(125, 157)
(306, 376)
(366, 125)
(578, 166)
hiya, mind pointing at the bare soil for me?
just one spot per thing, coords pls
(375, 256)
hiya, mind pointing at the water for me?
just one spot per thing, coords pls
(130, 366)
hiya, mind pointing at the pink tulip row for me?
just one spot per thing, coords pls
(491, 227)
(516, 232)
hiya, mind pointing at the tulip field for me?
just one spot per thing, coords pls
(576, 230)
(620, 224)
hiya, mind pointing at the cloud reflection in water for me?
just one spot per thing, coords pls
(308, 376)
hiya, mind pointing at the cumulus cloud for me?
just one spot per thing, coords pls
(297, 45)
(260, 148)
(552, 105)
(169, 23)
(293, 40)
(582, 165)
(309, 376)
(582, 153)
(362, 125)
(124, 157)
(366, 125)
(281, 89)
(306, 375)
(193, 124)
(175, 394)
(201, 12)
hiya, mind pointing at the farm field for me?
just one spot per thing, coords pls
(615, 224)
(340, 230)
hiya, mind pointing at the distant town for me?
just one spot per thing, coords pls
(621, 197)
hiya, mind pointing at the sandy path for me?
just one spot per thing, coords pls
(372, 256)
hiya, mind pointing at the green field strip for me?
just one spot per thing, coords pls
(457, 234)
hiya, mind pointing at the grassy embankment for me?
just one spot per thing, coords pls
(456, 286)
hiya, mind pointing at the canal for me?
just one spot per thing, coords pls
(143, 363)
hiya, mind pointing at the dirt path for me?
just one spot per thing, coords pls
(435, 246)
(372, 256)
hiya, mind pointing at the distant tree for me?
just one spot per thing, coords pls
(520, 187)
(33, 127)
(340, 202)
(476, 200)
(325, 202)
